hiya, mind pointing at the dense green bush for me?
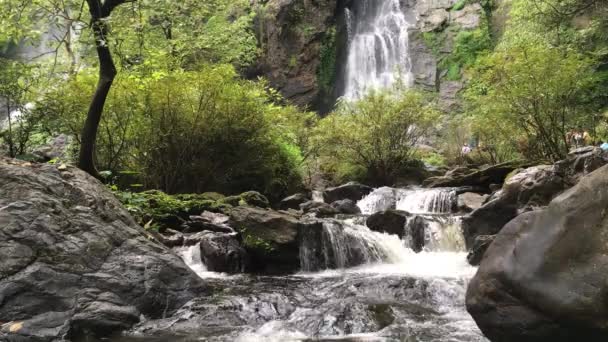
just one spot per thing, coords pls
(375, 138)
(194, 131)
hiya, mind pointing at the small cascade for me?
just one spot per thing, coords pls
(378, 47)
(426, 201)
(378, 200)
(192, 258)
(342, 244)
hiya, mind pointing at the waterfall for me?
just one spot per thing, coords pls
(191, 256)
(426, 201)
(414, 201)
(378, 47)
(342, 244)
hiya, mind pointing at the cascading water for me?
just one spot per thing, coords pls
(378, 47)
(356, 284)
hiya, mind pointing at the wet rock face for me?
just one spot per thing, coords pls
(346, 206)
(390, 221)
(269, 237)
(480, 246)
(545, 276)
(353, 191)
(528, 189)
(73, 262)
(222, 252)
(292, 33)
(470, 201)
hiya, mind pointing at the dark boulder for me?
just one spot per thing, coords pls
(74, 263)
(353, 191)
(319, 209)
(222, 252)
(346, 206)
(416, 228)
(270, 238)
(389, 221)
(545, 277)
(207, 221)
(528, 189)
(294, 201)
(480, 245)
(255, 199)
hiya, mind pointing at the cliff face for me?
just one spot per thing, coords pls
(299, 41)
(304, 45)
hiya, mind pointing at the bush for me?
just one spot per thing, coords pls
(189, 132)
(374, 139)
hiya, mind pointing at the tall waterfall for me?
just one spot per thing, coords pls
(378, 47)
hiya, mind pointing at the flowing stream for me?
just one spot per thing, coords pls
(378, 47)
(371, 286)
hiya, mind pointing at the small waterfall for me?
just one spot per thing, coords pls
(414, 201)
(378, 47)
(192, 258)
(426, 201)
(342, 244)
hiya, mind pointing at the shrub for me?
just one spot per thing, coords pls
(375, 138)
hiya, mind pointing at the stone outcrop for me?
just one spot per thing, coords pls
(292, 34)
(73, 263)
(389, 221)
(545, 277)
(270, 238)
(353, 191)
(294, 201)
(477, 178)
(346, 206)
(479, 248)
(528, 189)
(470, 201)
(222, 252)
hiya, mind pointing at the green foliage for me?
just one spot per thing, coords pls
(434, 159)
(374, 138)
(460, 5)
(158, 210)
(326, 73)
(468, 46)
(532, 95)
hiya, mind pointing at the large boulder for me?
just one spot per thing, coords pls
(545, 276)
(480, 246)
(346, 206)
(73, 263)
(294, 201)
(470, 201)
(526, 190)
(270, 238)
(353, 191)
(389, 221)
(222, 252)
(319, 209)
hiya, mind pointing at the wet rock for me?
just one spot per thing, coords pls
(319, 209)
(470, 201)
(346, 206)
(207, 221)
(416, 228)
(545, 276)
(270, 238)
(294, 201)
(353, 191)
(480, 245)
(528, 189)
(72, 260)
(170, 237)
(389, 221)
(222, 252)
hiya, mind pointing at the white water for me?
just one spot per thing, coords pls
(192, 258)
(414, 201)
(378, 47)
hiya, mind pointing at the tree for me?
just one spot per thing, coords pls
(100, 13)
(534, 93)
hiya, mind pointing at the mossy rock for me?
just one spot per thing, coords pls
(254, 198)
(231, 200)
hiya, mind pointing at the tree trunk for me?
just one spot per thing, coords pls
(107, 72)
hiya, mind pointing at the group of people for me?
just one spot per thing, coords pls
(579, 138)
